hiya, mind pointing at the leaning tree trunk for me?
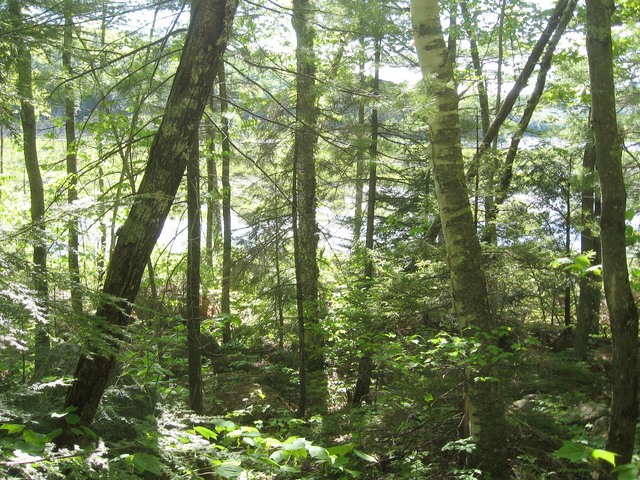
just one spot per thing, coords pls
(36, 188)
(207, 35)
(468, 285)
(623, 313)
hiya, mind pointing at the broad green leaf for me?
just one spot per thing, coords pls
(34, 438)
(222, 424)
(206, 433)
(340, 450)
(628, 471)
(72, 419)
(278, 456)
(89, 433)
(12, 428)
(604, 455)
(229, 470)
(54, 434)
(272, 442)
(629, 214)
(573, 452)
(289, 469)
(365, 457)
(143, 462)
(582, 261)
(320, 453)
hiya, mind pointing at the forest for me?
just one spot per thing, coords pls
(319, 239)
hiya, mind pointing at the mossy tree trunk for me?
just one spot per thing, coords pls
(208, 32)
(590, 297)
(24, 86)
(306, 241)
(468, 285)
(623, 313)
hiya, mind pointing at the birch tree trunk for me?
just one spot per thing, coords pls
(623, 313)
(468, 285)
(208, 32)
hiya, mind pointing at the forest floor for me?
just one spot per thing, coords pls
(409, 427)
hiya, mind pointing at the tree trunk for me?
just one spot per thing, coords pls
(207, 35)
(193, 279)
(468, 285)
(623, 313)
(360, 149)
(213, 232)
(366, 366)
(29, 135)
(72, 162)
(588, 311)
(521, 82)
(311, 338)
(225, 301)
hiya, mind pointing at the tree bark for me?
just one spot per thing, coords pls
(538, 90)
(311, 338)
(208, 32)
(213, 232)
(521, 82)
(360, 148)
(72, 162)
(365, 364)
(24, 87)
(225, 301)
(590, 296)
(468, 285)
(623, 313)
(194, 356)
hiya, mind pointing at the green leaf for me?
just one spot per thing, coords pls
(143, 462)
(365, 457)
(89, 433)
(289, 469)
(222, 425)
(272, 442)
(629, 214)
(72, 419)
(229, 470)
(628, 471)
(582, 261)
(340, 450)
(604, 455)
(34, 438)
(54, 434)
(319, 453)
(573, 452)
(206, 433)
(12, 428)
